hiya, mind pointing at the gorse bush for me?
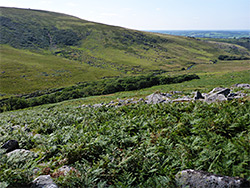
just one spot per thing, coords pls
(130, 146)
(102, 87)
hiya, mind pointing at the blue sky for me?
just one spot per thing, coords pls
(151, 14)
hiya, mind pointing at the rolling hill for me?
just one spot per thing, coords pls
(51, 57)
(42, 50)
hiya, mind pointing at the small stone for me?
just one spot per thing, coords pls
(64, 171)
(246, 86)
(44, 181)
(97, 105)
(35, 170)
(15, 127)
(177, 92)
(141, 100)
(37, 136)
(167, 95)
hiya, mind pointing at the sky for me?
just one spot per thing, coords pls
(151, 14)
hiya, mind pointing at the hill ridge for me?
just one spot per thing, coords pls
(69, 50)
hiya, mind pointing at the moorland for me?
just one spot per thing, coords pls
(52, 64)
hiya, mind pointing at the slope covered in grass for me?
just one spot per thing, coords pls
(23, 71)
(56, 50)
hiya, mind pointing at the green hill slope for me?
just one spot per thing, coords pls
(41, 50)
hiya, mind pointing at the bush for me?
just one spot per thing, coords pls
(90, 89)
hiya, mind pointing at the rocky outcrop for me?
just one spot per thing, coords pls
(44, 181)
(198, 95)
(194, 178)
(156, 98)
(246, 86)
(183, 99)
(10, 145)
(218, 94)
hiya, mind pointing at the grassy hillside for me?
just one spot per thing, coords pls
(42, 50)
(27, 71)
(245, 41)
(136, 145)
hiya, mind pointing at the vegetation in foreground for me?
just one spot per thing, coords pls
(131, 146)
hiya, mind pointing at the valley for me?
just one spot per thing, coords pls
(84, 104)
(50, 50)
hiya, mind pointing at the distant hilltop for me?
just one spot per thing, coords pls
(227, 34)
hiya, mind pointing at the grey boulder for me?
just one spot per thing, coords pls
(246, 86)
(44, 181)
(194, 178)
(156, 98)
(217, 94)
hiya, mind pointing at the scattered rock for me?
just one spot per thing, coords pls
(97, 105)
(217, 94)
(224, 91)
(20, 155)
(246, 86)
(177, 92)
(236, 95)
(85, 106)
(156, 98)
(183, 99)
(141, 100)
(216, 90)
(193, 178)
(44, 181)
(10, 145)
(240, 94)
(215, 97)
(15, 127)
(167, 95)
(35, 170)
(64, 170)
(37, 136)
(198, 95)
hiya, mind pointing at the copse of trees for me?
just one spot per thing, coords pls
(228, 58)
(101, 87)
